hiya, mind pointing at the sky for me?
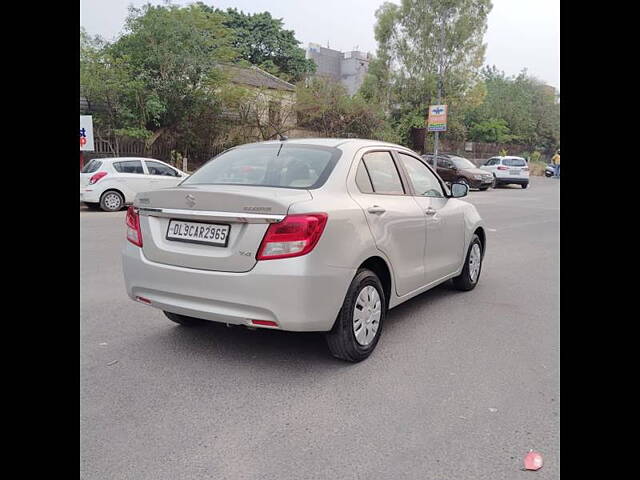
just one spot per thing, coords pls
(520, 34)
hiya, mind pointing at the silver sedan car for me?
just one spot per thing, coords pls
(322, 235)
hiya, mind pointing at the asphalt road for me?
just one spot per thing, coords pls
(461, 385)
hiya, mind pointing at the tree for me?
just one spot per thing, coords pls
(261, 40)
(494, 130)
(525, 104)
(417, 41)
(113, 93)
(325, 106)
(173, 53)
(377, 84)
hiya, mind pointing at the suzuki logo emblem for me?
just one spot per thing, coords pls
(191, 200)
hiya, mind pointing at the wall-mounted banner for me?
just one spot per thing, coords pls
(86, 133)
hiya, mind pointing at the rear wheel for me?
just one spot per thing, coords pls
(468, 278)
(184, 320)
(111, 201)
(524, 185)
(359, 324)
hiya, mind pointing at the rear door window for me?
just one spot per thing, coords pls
(383, 173)
(157, 168)
(92, 166)
(129, 166)
(514, 162)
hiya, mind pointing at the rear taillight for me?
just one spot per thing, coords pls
(502, 167)
(294, 236)
(134, 234)
(525, 169)
(96, 178)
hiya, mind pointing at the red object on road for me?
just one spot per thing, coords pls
(533, 461)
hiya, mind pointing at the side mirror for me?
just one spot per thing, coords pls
(459, 190)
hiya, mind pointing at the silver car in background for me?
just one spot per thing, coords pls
(322, 235)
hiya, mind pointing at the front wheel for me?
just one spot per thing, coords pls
(359, 324)
(464, 182)
(468, 278)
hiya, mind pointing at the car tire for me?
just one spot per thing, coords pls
(111, 201)
(524, 185)
(465, 182)
(184, 320)
(468, 278)
(367, 295)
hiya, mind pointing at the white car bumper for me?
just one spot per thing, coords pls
(89, 195)
(284, 291)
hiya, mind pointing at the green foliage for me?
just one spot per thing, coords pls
(326, 107)
(160, 78)
(530, 112)
(261, 40)
(493, 130)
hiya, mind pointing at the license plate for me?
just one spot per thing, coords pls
(198, 232)
(514, 172)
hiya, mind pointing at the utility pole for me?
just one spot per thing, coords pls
(440, 51)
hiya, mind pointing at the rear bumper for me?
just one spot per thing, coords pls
(518, 180)
(89, 195)
(285, 291)
(474, 183)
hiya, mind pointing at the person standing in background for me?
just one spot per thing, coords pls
(556, 162)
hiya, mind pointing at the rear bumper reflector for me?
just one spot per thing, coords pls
(266, 323)
(143, 300)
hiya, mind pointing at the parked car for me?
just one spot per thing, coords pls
(112, 183)
(506, 170)
(453, 168)
(550, 170)
(326, 238)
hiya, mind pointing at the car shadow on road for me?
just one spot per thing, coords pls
(217, 342)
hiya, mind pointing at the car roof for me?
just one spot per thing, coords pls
(328, 142)
(121, 159)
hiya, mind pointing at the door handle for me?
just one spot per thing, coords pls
(376, 209)
(430, 211)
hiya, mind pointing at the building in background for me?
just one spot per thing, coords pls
(348, 68)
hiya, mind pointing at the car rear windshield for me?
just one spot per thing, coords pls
(462, 163)
(92, 166)
(275, 165)
(514, 162)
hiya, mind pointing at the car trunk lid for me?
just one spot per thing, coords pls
(247, 210)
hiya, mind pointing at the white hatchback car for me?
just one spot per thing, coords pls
(319, 235)
(508, 170)
(111, 183)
